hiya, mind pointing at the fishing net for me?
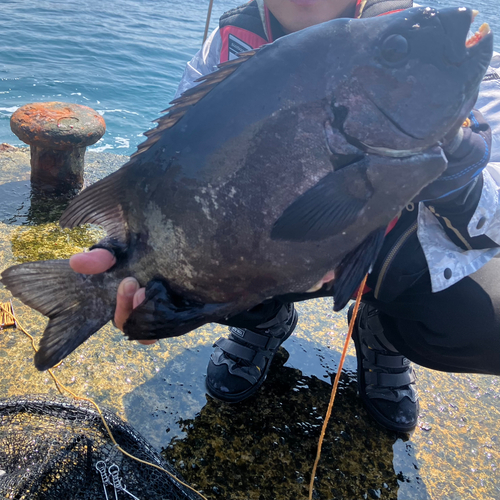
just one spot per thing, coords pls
(54, 448)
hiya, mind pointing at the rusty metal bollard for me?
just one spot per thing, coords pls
(58, 134)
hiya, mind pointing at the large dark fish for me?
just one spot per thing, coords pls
(275, 174)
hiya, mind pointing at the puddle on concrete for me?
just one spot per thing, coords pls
(263, 448)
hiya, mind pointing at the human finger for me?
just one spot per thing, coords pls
(125, 300)
(94, 262)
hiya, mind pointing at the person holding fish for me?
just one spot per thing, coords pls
(432, 294)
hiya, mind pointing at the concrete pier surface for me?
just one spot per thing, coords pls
(263, 448)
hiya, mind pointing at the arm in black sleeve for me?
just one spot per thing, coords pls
(454, 196)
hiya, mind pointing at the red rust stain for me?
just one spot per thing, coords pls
(39, 114)
(36, 122)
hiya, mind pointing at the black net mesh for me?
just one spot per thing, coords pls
(50, 447)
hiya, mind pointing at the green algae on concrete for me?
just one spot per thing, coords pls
(50, 241)
(265, 447)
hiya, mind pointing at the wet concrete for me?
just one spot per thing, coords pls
(263, 448)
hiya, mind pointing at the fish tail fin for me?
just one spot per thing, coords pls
(67, 298)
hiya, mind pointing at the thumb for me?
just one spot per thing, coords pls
(94, 262)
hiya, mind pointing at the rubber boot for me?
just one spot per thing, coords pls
(240, 363)
(386, 379)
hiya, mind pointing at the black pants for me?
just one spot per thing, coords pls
(455, 330)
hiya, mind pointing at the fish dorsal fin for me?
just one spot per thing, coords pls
(189, 98)
(102, 203)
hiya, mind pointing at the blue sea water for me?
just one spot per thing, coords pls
(123, 58)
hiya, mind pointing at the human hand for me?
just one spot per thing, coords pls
(467, 154)
(129, 294)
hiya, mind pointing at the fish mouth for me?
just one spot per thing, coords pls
(464, 47)
(483, 32)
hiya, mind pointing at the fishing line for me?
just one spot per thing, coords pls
(336, 383)
(61, 388)
(209, 14)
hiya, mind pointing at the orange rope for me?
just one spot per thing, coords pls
(5, 315)
(335, 384)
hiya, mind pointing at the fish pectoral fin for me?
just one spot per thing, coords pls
(164, 314)
(354, 266)
(327, 208)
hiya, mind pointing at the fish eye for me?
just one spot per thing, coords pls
(395, 48)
